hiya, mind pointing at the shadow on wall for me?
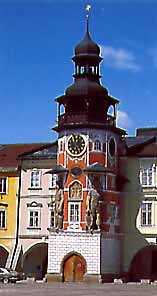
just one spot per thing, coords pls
(132, 239)
(34, 261)
(3, 256)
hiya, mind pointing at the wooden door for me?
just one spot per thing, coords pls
(74, 269)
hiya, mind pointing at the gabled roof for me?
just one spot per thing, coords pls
(9, 153)
(135, 141)
(43, 152)
(136, 145)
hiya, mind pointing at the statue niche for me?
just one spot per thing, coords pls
(75, 190)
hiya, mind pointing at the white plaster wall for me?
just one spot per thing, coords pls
(45, 183)
(61, 244)
(110, 255)
(24, 216)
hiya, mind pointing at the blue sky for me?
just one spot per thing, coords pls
(37, 40)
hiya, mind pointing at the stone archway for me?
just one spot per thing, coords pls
(74, 268)
(3, 256)
(35, 261)
(144, 264)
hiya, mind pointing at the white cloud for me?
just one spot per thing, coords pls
(119, 58)
(123, 119)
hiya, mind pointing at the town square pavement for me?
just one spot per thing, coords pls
(71, 289)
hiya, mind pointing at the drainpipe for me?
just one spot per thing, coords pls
(17, 216)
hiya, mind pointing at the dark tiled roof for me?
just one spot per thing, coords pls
(135, 141)
(42, 152)
(96, 168)
(9, 153)
(58, 169)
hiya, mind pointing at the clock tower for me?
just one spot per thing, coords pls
(84, 240)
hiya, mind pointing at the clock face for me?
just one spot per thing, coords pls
(76, 145)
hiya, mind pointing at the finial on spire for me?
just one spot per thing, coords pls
(87, 9)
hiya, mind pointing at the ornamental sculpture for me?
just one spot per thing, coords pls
(59, 201)
(92, 210)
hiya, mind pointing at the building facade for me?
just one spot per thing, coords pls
(9, 198)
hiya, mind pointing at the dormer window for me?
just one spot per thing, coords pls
(97, 145)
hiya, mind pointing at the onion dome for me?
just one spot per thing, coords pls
(87, 46)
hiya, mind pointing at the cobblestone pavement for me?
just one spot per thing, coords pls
(70, 289)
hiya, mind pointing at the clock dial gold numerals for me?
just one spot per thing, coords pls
(76, 144)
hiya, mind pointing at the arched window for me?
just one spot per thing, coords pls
(75, 190)
(97, 145)
(61, 146)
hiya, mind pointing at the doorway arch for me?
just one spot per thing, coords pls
(35, 261)
(74, 267)
(144, 264)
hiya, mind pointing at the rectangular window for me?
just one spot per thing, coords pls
(52, 218)
(2, 219)
(74, 212)
(3, 184)
(103, 183)
(146, 214)
(35, 179)
(54, 180)
(34, 219)
(147, 176)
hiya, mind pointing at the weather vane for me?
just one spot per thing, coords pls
(88, 8)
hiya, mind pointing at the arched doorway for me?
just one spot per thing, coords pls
(74, 268)
(144, 264)
(3, 256)
(35, 261)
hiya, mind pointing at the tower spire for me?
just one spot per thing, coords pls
(87, 9)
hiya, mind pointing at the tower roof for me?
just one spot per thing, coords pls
(87, 46)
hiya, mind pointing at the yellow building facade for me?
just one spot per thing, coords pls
(9, 182)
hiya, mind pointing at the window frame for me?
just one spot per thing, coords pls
(146, 211)
(145, 169)
(31, 181)
(95, 145)
(34, 209)
(6, 185)
(74, 222)
(3, 211)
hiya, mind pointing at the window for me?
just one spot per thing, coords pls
(2, 218)
(3, 184)
(35, 178)
(61, 146)
(34, 219)
(112, 212)
(74, 212)
(112, 147)
(54, 180)
(103, 182)
(52, 218)
(147, 176)
(97, 145)
(146, 214)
